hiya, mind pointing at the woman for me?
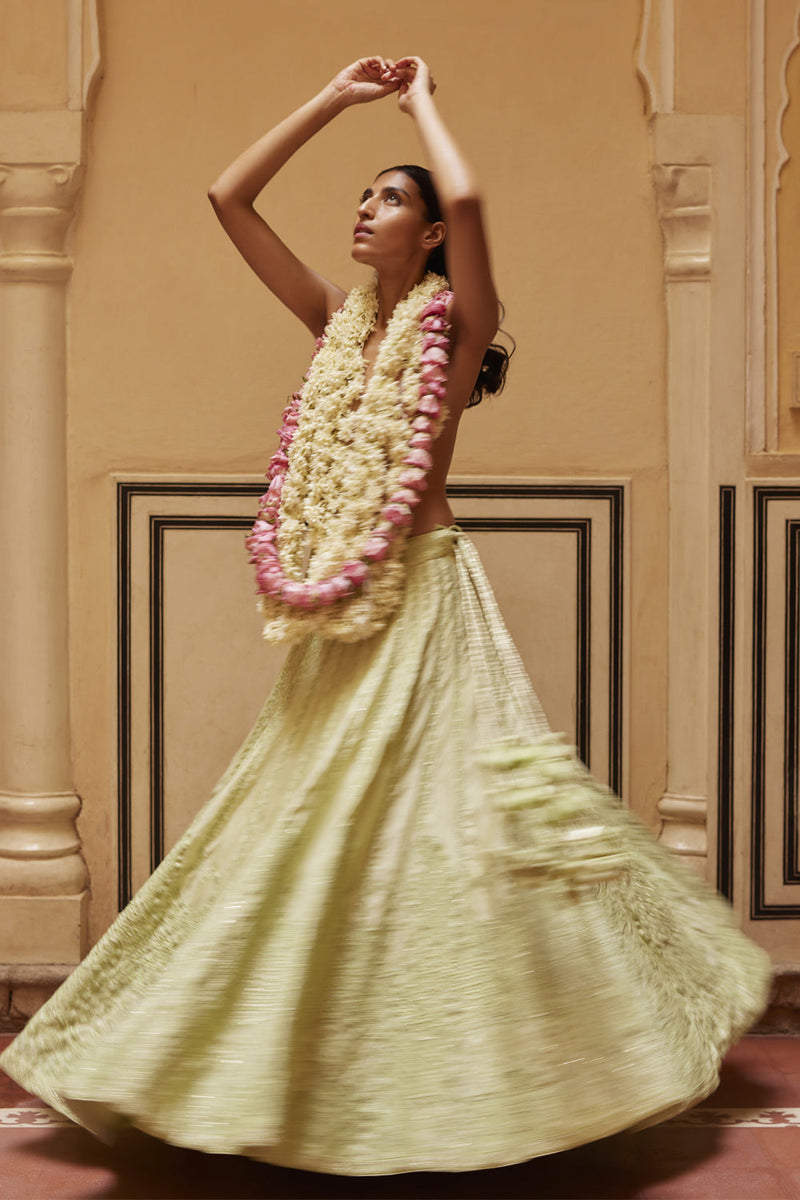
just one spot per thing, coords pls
(408, 931)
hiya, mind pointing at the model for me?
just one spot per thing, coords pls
(408, 931)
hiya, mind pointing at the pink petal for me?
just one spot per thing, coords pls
(326, 592)
(435, 339)
(432, 373)
(435, 307)
(293, 593)
(435, 355)
(429, 405)
(405, 496)
(355, 571)
(414, 478)
(269, 581)
(398, 514)
(419, 458)
(376, 549)
(339, 585)
(421, 441)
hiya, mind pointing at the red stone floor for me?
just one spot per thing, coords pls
(754, 1156)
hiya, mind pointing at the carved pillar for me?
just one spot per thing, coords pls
(43, 897)
(683, 198)
(42, 874)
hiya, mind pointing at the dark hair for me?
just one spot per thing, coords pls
(492, 375)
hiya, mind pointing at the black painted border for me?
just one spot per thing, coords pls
(725, 686)
(760, 909)
(127, 491)
(791, 711)
(582, 528)
(159, 526)
(614, 495)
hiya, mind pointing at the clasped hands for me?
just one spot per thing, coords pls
(375, 77)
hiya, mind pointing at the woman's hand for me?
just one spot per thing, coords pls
(365, 80)
(415, 79)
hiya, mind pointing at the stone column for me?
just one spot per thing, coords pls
(43, 879)
(42, 875)
(683, 199)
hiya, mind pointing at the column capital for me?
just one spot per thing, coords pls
(683, 201)
(37, 205)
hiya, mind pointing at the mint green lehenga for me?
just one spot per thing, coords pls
(345, 964)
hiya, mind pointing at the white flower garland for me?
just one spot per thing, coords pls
(352, 461)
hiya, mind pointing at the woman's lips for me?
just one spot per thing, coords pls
(362, 231)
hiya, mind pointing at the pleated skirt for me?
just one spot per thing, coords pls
(345, 964)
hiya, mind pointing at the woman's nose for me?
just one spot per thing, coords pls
(364, 208)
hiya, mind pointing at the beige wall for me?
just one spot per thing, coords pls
(33, 66)
(788, 242)
(664, 366)
(711, 39)
(168, 325)
(180, 360)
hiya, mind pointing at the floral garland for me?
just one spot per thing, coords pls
(350, 468)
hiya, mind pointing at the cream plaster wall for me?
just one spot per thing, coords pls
(710, 56)
(788, 211)
(33, 65)
(788, 242)
(781, 98)
(180, 360)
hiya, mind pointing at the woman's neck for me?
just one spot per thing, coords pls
(392, 288)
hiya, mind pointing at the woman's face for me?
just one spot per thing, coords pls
(392, 225)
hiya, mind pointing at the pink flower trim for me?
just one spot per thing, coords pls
(396, 514)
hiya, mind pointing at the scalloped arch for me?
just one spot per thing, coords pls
(783, 151)
(643, 74)
(655, 55)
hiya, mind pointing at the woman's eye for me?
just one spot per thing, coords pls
(392, 196)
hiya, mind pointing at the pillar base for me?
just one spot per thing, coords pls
(24, 989)
(43, 929)
(683, 828)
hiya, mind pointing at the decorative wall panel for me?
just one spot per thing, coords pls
(193, 672)
(775, 868)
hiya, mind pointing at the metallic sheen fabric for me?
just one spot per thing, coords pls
(344, 966)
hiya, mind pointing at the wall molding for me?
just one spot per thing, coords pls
(774, 504)
(655, 55)
(726, 690)
(763, 269)
(783, 156)
(163, 507)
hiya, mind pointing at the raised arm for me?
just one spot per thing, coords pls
(306, 293)
(475, 308)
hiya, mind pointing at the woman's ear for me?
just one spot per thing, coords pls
(434, 235)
